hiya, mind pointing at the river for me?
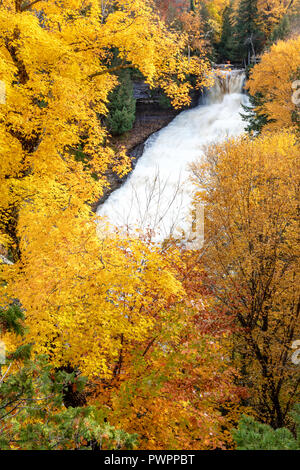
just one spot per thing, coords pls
(157, 195)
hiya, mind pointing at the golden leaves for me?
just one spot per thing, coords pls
(251, 195)
(273, 78)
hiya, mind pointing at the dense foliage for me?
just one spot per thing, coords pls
(34, 413)
(251, 255)
(252, 435)
(115, 342)
(276, 96)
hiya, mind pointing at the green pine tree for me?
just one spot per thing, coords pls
(121, 106)
(209, 31)
(252, 435)
(248, 36)
(255, 121)
(192, 6)
(33, 415)
(226, 44)
(281, 31)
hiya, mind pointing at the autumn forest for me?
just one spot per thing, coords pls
(149, 225)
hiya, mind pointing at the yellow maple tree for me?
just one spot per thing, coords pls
(272, 11)
(55, 62)
(250, 188)
(273, 78)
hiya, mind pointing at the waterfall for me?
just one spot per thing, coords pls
(157, 195)
(226, 83)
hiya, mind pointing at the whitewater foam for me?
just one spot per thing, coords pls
(157, 195)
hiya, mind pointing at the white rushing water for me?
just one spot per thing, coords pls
(157, 195)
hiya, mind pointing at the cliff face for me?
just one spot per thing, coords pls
(151, 116)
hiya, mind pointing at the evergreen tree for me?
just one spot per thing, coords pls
(121, 106)
(255, 121)
(248, 36)
(192, 5)
(11, 319)
(226, 44)
(252, 435)
(209, 31)
(33, 415)
(281, 31)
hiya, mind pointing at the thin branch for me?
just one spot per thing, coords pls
(27, 6)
